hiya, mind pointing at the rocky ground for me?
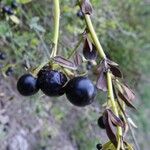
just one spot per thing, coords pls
(41, 123)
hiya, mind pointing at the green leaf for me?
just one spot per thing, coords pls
(23, 1)
(108, 146)
(34, 24)
(14, 19)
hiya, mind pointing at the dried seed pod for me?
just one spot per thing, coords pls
(89, 50)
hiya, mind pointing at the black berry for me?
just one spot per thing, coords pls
(52, 82)
(80, 91)
(99, 146)
(8, 10)
(27, 85)
(80, 14)
(2, 56)
(101, 122)
(9, 71)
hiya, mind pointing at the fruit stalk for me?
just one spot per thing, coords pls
(109, 78)
(56, 27)
(94, 36)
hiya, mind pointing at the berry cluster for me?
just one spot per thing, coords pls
(80, 91)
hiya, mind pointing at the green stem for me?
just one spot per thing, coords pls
(94, 36)
(56, 27)
(36, 70)
(109, 78)
(111, 96)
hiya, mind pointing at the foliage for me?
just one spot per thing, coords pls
(122, 28)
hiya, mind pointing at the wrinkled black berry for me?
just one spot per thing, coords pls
(101, 122)
(8, 10)
(80, 14)
(99, 146)
(52, 82)
(80, 91)
(27, 85)
(2, 56)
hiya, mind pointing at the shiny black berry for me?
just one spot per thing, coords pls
(27, 85)
(101, 122)
(52, 82)
(8, 10)
(80, 14)
(99, 146)
(80, 91)
(2, 56)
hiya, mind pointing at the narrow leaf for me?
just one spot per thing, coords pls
(115, 120)
(77, 59)
(115, 71)
(86, 7)
(128, 146)
(126, 100)
(102, 82)
(132, 122)
(109, 128)
(65, 63)
(14, 19)
(87, 44)
(112, 63)
(129, 93)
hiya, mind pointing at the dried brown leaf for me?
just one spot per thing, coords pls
(89, 50)
(87, 45)
(115, 71)
(77, 59)
(86, 7)
(115, 120)
(128, 92)
(112, 63)
(102, 82)
(109, 128)
(64, 62)
(114, 67)
(126, 100)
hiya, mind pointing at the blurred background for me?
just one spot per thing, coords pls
(43, 123)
